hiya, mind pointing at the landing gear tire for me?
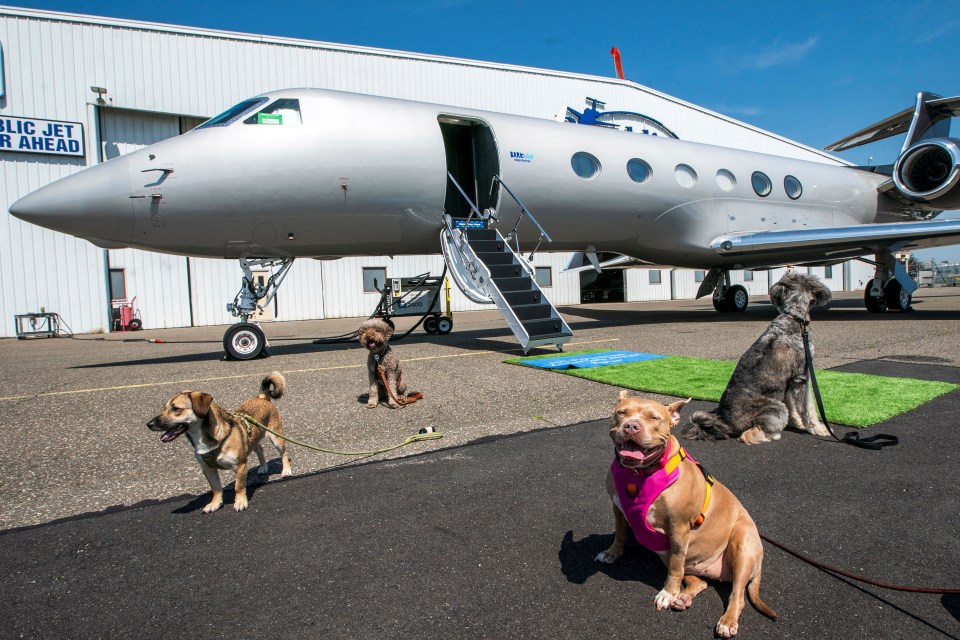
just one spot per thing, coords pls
(873, 303)
(430, 324)
(737, 299)
(244, 341)
(896, 297)
(720, 305)
(444, 325)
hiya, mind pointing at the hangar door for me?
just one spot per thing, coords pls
(159, 282)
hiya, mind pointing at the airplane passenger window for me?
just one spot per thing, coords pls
(685, 175)
(233, 114)
(761, 183)
(585, 165)
(793, 187)
(726, 180)
(638, 170)
(282, 111)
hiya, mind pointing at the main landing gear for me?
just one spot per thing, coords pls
(246, 341)
(727, 298)
(891, 288)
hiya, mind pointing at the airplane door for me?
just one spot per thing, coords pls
(473, 161)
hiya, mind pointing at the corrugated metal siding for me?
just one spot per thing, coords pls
(53, 59)
(158, 281)
(639, 288)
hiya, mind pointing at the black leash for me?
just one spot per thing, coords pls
(874, 442)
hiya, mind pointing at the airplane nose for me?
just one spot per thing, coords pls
(94, 203)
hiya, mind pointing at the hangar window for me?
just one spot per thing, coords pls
(234, 113)
(761, 184)
(655, 276)
(544, 277)
(374, 279)
(685, 175)
(638, 170)
(585, 165)
(726, 180)
(699, 275)
(793, 187)
(748, 276)
(282, 111)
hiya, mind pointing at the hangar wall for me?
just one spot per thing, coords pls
(160, 80)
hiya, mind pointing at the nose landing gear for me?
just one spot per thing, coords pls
(246, 340)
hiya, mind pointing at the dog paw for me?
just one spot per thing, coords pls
(664, 599)
(393, 405)
(213, 506)
(286, 473)
(726, 629)
(263, 470)
(682, 602)
(240, 503)
(372, 404)
(607, 557)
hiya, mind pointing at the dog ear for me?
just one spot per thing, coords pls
(777, 292)
(674, 410)
(362, 336)
(388, 331)
(623, 394)
(822, 294)
(201, 402)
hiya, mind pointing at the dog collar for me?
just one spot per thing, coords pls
(801, 321)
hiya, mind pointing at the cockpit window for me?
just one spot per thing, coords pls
(234, 113)
(282, 111)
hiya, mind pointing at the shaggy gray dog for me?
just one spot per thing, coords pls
(375, 335)
(769, 388)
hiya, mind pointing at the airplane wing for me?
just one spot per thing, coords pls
(839, 241)
(896, 124)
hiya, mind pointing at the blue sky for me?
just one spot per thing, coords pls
(813, 71)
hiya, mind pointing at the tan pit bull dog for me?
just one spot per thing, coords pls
(695, 524)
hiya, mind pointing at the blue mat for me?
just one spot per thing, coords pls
(588, 360)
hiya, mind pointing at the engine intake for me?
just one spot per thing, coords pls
(929, 172)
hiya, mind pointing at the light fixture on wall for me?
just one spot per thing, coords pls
(100, 91)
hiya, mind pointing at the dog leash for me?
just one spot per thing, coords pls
(408, 399)
(874, 442)
(433, 435)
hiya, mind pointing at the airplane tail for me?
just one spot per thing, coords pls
(706, 426)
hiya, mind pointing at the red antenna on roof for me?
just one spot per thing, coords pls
(616, 61)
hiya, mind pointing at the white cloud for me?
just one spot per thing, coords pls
(775, 54)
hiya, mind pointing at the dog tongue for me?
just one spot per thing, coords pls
(171, 434)
(632, 452)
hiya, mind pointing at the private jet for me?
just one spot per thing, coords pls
(311, 173)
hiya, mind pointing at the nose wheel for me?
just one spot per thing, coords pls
(245, 341)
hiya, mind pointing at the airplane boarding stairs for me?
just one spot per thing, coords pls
(488, 270)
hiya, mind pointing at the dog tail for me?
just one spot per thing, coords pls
(753, 592)
(273, 385)
(706, 426)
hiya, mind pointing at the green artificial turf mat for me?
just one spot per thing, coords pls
(852, 399)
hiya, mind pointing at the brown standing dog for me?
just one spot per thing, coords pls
(221, 440)
(695, 524)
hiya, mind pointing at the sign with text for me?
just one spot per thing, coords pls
(33, 135)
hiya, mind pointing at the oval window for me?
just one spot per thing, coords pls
(585, 165)
(638, 170)
(685, 175)
(761, 183)
(793, 187)
(726, 180)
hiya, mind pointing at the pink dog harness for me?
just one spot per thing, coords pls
(637, 491)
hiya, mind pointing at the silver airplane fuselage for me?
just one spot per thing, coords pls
(364, 175)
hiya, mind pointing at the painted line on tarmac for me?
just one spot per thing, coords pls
(254, 375)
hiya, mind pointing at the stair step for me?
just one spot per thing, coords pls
(515, 298)
(545, 336)
(481, 234)
(496, 258)
(486, 246)
(540, 328)
(513, 284)
(540, 311)
(498, 271)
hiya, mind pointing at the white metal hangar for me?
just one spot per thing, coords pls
(100, 87)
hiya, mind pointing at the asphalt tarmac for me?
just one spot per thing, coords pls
(489, 532)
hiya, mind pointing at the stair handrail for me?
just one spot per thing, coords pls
(523, 211)
(473, 207)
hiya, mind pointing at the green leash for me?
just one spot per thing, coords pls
(414, 438)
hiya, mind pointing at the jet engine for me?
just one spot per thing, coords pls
(928, 172)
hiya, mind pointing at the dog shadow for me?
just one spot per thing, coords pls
(254, 482)
(637, 564)
(951, 602)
